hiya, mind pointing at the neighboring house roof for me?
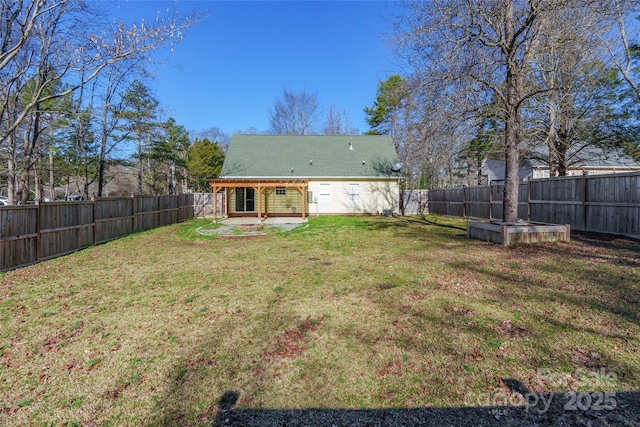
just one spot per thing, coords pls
(587, 158)
(310, 156)
(495, 170)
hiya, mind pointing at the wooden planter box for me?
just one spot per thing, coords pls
(505, 234)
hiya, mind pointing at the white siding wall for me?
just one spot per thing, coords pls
(337, 196)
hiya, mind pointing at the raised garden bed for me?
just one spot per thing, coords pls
(509, 233)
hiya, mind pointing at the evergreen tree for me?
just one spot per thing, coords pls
(140, 114)
(384, 115)
(204, 163)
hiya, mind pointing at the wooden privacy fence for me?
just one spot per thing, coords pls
(33, 233)
(203, 204)
(599, 203)
(414, 202)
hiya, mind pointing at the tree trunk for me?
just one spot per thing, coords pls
(140, 165)
(172, 178)
(103, 151)
(565, 136)
(22, 195)
(512, 123)
(52, 187)
(510, 202)
(552, 137)
(101, 168)
(11, 169)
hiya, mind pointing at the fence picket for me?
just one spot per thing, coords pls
(32, 233)
(599, 203)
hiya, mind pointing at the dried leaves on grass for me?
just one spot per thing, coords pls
(341, 315)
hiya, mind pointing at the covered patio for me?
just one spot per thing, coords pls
(256, 202)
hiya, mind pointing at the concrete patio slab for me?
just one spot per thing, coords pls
(263, 221)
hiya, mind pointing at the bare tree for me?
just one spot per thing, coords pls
(215, 135)
(338, 123)
(576, 90)
(434, 136)
(251, 131)
(108, 89)
(294, 113)
(49, 42)
(483, 49)
(620, 42)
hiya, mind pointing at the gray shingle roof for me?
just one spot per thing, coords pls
(309, 156)
(585, 156)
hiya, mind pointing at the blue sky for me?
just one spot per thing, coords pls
(231, 67)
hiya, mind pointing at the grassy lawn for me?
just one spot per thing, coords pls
(345, 313)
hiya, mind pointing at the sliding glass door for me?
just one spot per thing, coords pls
(245, 200)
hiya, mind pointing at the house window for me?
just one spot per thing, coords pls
(325, 193)
(281, 191)
(545, 174)
(354, 194)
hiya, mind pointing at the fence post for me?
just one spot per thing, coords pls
(134, 217)
(38, 236)
(95, 223)
(490, 201)
(529, 200)
(584, 199)
(464, 202)
(159, 204)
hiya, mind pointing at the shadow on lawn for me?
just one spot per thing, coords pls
(423, 228)
(559, 409)
(188, 386)
(597, 277)
(403, 221)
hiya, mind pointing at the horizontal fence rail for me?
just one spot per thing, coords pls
(598, 203)
(33, 233)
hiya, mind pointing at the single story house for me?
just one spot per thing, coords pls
(297, 175)
(588, 160)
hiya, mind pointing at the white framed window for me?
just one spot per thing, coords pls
(325, 193)
(545, 173)
(281, 191)
(354, 194)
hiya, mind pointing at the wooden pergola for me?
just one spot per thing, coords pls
(259, 185)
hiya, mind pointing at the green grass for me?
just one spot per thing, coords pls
(345, 312)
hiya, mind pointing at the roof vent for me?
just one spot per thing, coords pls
(310, 162)
(291, 170)
(364, 163)
(350, 143)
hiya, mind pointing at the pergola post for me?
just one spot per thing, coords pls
(303, 190)
(215, 200)
(258, 190)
